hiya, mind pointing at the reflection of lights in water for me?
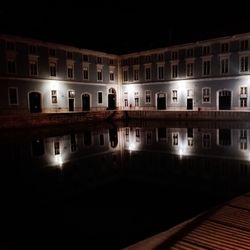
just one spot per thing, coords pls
(180, 153)
(59, 161)
(131, 146)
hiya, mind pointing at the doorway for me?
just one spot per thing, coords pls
(35, 102)
(85, 102)
(224, 100)
(161, 101)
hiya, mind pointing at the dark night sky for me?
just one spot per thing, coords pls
(108, 27)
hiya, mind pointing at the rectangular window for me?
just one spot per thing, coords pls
(54, 96)
(206, 50)
(243, 102)
(190, 69)
(206, 68)
(57, 147)
(69, 55)
(224, 65)
(52, 52)
(136, 74)
(52, 69)
(190, 52)
(174, 55)
(148, 59)
(99, 60)
(244, 45)
(190, 93)
(99, 97)
(136, 94)
(11, 66)
(160, 72)
(125, 75)
(32, 50)
(85, 73)
(206, 95)
(175, 139)
(99, 75)
(125, 99)
(224, 48)
(70, 72)
(111, 76)
(111, 62)
(33, 68)
(148, 96)
(13, 96)
(85, 58)
(244, 64)
(161, 57)
(174, 71)
(174, 96)
(147, 74)
(243, 91)
(71, 94)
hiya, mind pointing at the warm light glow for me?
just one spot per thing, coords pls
(54, 84)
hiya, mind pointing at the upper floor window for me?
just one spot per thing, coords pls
(33, 68)
(206, 67)
(125, 62)
(10, 45)
(190, 52)
(206, 50)
(11, 66)
(32, 49)
(111, 62)
(147, 73)
(160, 70)
(52, 69)
(99, 60)
(224, 65)
(85, 58)
(174, 55)
(161, 57)
(125, 75)
(13, 96)
(174, 70)
(85, 73)
(148, 59)
(69, 55)
(136, 60)
(190, 69)
(136, 74)
(70, 71)
(99, 74)
(244, 64)
(244, 45)
(224, 48)
(52, 52)
(111, 76)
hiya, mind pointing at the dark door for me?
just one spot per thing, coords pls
(71, 104)
(189, 104)
(225, 137)
(161, 101)
(225, 100)
(111, 101)
(37, 147)
(35, 102)
(85, 102)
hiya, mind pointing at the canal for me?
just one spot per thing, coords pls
(110, 186)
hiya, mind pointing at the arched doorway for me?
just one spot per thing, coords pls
(161, 101)
(224, 100)
(85, 102)
(112, 99)
(35, 102)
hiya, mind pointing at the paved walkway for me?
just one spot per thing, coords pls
(225, 227)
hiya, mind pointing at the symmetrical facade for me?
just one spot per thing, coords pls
(43, 77)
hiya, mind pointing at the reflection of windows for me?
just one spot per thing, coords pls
(87, 139)
(13, 96)
(57, 148)
(37, 147)
(243, 139)
(224, 137)
(137, 134)
(127, 134)
(101, 139)
(175, 139)
(54, 96)
(149, 138)
(73, 142)
(206, 140)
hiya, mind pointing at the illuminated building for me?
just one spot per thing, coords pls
(38, 76)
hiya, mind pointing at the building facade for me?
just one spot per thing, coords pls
(37, 76)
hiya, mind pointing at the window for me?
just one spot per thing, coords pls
(111, 76)
(206, 140)
(206, 68)
(147, 74)
(243, 97)
(125, 75)
(206, 95)
(190, 69)
(148, 96)
(243, 102)
(243, 139)
(54, 96)
(111, 62)
(161, 57)
(224, 65)
(224, 48)
(175, 139)
(11, 66)
(99, 74)
(33, 68)
(137, 134)
(244, 45)
(174, 70)
(243, 90)
(85, 58)
(99, 97)
(174, 55)
(244, 64)
(189, 93)
(174, 96)
(32, 50)
(160, 72)
(52, 69)
(85, 73)
(69, 55)
(136, 60)
(99, 60)
(101, 140)
(52, 52)
(13, 96)
(57, 148)
(190, 52)
(148, 59)
(136, 74)
(70, 71)
(10, 45)
(136, 99)
(206, 50)
(71, 94)
(125, 99)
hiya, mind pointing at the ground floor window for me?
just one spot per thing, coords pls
(243, 102)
